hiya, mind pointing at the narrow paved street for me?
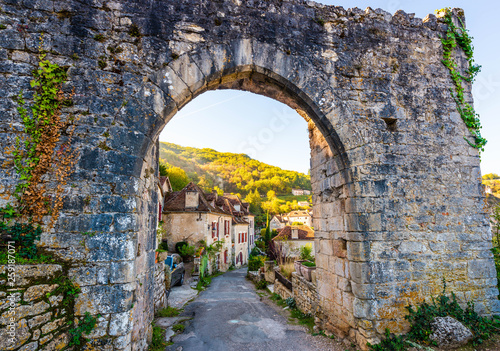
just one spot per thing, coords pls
(230, 316)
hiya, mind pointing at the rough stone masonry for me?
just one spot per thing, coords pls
(398, 203)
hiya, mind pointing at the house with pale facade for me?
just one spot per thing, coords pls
(302, 216)
(243, 211)
(278, 222)
(197, 218)
(297, 192)
(292, 238)
(304, 204)
(189, 216)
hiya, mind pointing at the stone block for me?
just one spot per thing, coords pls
(120, 324)
(23, 311)
(37, 320)
(122, 272)
(481, 269)
(37, 291)
(104, 299)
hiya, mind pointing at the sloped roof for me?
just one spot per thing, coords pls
(280, 219)
(305, 233)
(298, 214)
(176, 201)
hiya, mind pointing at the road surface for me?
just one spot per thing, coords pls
(230, 316)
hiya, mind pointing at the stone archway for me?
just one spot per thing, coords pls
(396, 188)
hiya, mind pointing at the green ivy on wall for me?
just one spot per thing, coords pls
(459, 36)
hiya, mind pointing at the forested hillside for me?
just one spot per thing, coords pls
(225, 171)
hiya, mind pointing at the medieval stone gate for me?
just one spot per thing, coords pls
(397, 194)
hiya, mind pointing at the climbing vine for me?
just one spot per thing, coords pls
(37, 154)
(459, 36)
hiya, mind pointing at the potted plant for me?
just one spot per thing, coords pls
(297, 265)
(306, 268)
(305, 255)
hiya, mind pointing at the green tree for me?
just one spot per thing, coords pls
(219, 191)
(271, 194)
(163, 169)
(178, 178)
(255, 202)
(491, 176)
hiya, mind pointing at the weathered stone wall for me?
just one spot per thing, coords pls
(397, 195)
(282, 290)
(306, 295)
(31, 310)
(160, 296)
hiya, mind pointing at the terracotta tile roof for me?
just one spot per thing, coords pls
(281, 219)
(298, 214)
(176, 201)
(305, 233)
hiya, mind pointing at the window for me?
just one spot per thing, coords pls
(217, 229)
(214, 229)
(159, 214)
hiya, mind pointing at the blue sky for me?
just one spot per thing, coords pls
(271, 132)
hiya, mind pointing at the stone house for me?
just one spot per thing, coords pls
(243, 211)
(189, 216)
(192, 216)
(291, 238)
(240, 242)
(302, 216)
(304, 204)
(278, 222)
(297, 192)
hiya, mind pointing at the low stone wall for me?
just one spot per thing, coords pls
(160, 296)
(269, 271)
(281, 290)
(305, 294)
(31, 318)
(255, 276)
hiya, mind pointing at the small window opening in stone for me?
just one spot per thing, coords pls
(391, 123)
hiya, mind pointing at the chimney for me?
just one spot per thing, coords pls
(192, 199)
(295, 233)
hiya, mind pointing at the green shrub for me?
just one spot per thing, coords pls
(309, 264)
(169, 312)
(443, 306)
(178, 328)
(187, 250)
(180, 244)
(261, 284)
(158, 342)
(305, 252)
(290, 302)
(390, 343)
(254, 263)
(85, 326)
(163, 246)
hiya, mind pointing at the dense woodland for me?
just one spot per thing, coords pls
(267, 188)
(234, 173)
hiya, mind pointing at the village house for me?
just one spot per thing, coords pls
(304, 204)
(278, 222)
(190, 217)
(297, 192)
(243, 211)
(302, 216)
(291, 238)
